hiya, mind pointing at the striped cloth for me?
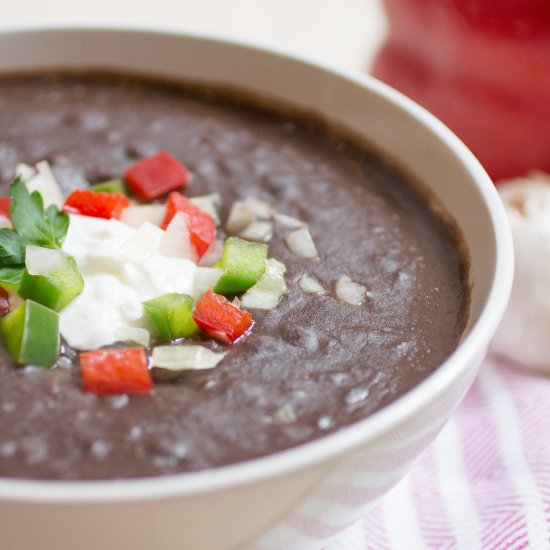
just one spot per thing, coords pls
(485, 481)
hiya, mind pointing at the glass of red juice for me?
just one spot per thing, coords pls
(483, 68)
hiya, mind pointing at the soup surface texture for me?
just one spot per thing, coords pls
(310, 365)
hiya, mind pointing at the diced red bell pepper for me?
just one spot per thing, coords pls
(116, 371)
(202, 229)
(220, 319)
(4, 302)
(156, 175)
(5, 207)
(98, 205)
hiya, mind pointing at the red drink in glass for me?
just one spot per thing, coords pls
(481, 66)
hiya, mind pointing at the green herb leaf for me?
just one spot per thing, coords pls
(33, 225)
(58, 221)
(11, 275)
(12, 251)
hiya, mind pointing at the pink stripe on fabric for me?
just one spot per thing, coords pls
(500, 440)
(531, 398)
(376, 536)
(502, 504)
(514, 544)
(497, 505)
(515, 529)
(432, 518)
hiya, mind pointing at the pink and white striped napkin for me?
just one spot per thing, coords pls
(485, 481)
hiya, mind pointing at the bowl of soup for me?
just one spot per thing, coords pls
(396, 267)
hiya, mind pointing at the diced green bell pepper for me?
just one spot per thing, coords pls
(30, 334)
(53, 287)
(110, 186)
(243, 263)
(10, 278)
(170, 316)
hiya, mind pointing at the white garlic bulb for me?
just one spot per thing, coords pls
(524, 333)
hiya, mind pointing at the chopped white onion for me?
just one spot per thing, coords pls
(310, 285)
(239, 217)
(209, 204)
(24, 171)
(301, 243)
(42, 261)
(5, 222)
(205, 279)
(350, 292)
(42, 180)
(259, 231)
(288, 221)
(267, 292)
(137, 215)
(243, 213)
(142, 244)
(185, 357)
(176, 242)
(262, 210)
(128, 333)
(213, 254)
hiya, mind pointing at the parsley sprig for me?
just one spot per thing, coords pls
(32, 225)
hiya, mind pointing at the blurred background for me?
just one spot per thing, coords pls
(342, 32)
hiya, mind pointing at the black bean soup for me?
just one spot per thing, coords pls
(310, 365)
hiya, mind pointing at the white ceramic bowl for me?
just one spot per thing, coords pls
(298, 498)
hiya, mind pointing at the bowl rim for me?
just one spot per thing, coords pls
(345, 439)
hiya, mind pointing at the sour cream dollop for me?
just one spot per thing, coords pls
(122, 267)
